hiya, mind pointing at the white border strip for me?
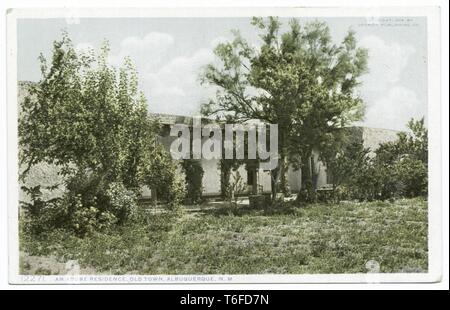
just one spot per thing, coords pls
(375, 11)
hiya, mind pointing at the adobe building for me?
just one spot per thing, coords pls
(46, 175)
(371, 138)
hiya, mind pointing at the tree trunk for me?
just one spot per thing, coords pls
(255, 181)
(307, 193)
(154, 196)
(284, 184)
(278, 178)
(306, 176)
(225, 173)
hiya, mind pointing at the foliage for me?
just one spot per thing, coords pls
(43, 215)
(236, 186)
(83, 115)
(414, 176)
(163, 175)
(396, 169)
(348, 168)
(193, 171)
(404, 162)
(82, 209)
(227, 166)
(121, 202)
(412, 144)
(299, 80)
(89, 119)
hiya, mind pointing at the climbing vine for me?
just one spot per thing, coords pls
(194, 175)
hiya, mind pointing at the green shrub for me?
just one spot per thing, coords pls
(163, 174)
(121, 203)
(89, 120)
(86, 207)
(194, 175)
(398, 169)
(40, 215)
(413, 174)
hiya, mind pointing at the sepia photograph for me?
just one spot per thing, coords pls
(216, 146)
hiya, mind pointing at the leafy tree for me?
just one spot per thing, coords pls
(236, 187)
(396, 169)
(412, 144)
(298, 79)
(405, 161)
(84, 116)
(351, 161)
(88, 119)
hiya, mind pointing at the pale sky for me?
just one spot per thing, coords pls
(169, 52)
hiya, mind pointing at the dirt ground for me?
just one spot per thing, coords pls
(43, 265)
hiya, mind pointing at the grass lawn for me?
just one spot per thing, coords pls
(318, 238)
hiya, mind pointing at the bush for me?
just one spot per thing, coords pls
(94, 203)
(40, 215)
(236, 187)
(306, 194)
(86, 207)
(351, 172)
(413, 174)
(194, 175)
(85, 220)
(121, 202)
(398, 169)
(97, 204)
(402, 165)
(373, 183)
(163, 174)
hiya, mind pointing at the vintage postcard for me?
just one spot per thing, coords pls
(215, 145)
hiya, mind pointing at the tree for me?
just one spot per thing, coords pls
(396, 169)
(88, 119)
(347, 165)
(405, 161)
(299, 80)
(84, 116)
